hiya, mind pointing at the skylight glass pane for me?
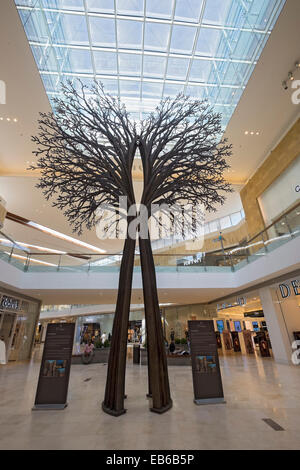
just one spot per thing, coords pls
(64, 4)
(200, 70)
(78, 60)
(34, 25)
(130, 64)
(172, 90)
(188, 10)
(259, 13)
(152, 90)
(182, 39)
(159, 8)
(45, 58)
(130, 87)
(100, 6)
(102, 31)
(50, 82)
(217, 12)
(130, 7)
(195, 91)
(154, 66)
(177, 68)
(244, 44)
(233, 73)
(110, 85)
(156, 36)
(130, 34)
(208, 42)
(70, 29)
(105, 62)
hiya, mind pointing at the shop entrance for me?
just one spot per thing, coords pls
(7, 327)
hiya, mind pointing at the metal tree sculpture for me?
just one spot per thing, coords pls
(85, 154)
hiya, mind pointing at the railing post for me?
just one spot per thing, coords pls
(265, 246)
(59, 263)
(27, 262)
(11, 253)
(289, 227)
(231, 262)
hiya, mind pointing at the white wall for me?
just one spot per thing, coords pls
(281, 194)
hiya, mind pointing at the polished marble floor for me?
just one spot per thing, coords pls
(254, 388)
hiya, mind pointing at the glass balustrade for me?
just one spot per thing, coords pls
(227, 259)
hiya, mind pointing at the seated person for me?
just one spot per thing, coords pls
(172, 347)
(89, 348)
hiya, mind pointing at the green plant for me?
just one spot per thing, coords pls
(183, 341)
(106, 343)
(177, 340)
(98, 344)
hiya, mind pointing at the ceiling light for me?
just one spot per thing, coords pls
(8, 119)
(297, 65)
(252, 133)
(257, 133)
(15, 120)
(64, 237)
(291, 76)
(285, 85)
(247, 132)
(1, 118)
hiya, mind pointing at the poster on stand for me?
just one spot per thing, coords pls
(263, 346)
(52, 389)
(219, 341)
(207, 379)
(227, 340)
(248, 341)
(236, 341)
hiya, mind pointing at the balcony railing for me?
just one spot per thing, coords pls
(281, 231)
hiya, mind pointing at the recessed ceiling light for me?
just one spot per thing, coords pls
(8, 119)
(252, 133)
(15, 120)
(257, 133)
(246, 132)
(1, 118)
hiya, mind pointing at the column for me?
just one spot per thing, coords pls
(277, 326)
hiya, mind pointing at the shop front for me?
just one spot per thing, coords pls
(18, 320)
(281, 303)
(241, 326)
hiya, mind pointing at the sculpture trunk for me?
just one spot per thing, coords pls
(157, 360)
(115, 384)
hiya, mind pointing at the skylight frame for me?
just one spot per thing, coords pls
(243, 66)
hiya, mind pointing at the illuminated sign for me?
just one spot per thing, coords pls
(285, 289)
(9, 303)
(239, 302)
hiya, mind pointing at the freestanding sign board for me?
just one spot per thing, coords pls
(207, 379)
(52, 389)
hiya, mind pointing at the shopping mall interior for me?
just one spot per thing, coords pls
(238, 281)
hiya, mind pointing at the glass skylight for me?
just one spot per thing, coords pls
(143, 50)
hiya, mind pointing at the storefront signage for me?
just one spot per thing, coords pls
(54, 375)
(239, 302)
(207, 379)
(286, 289)
(9, 303)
